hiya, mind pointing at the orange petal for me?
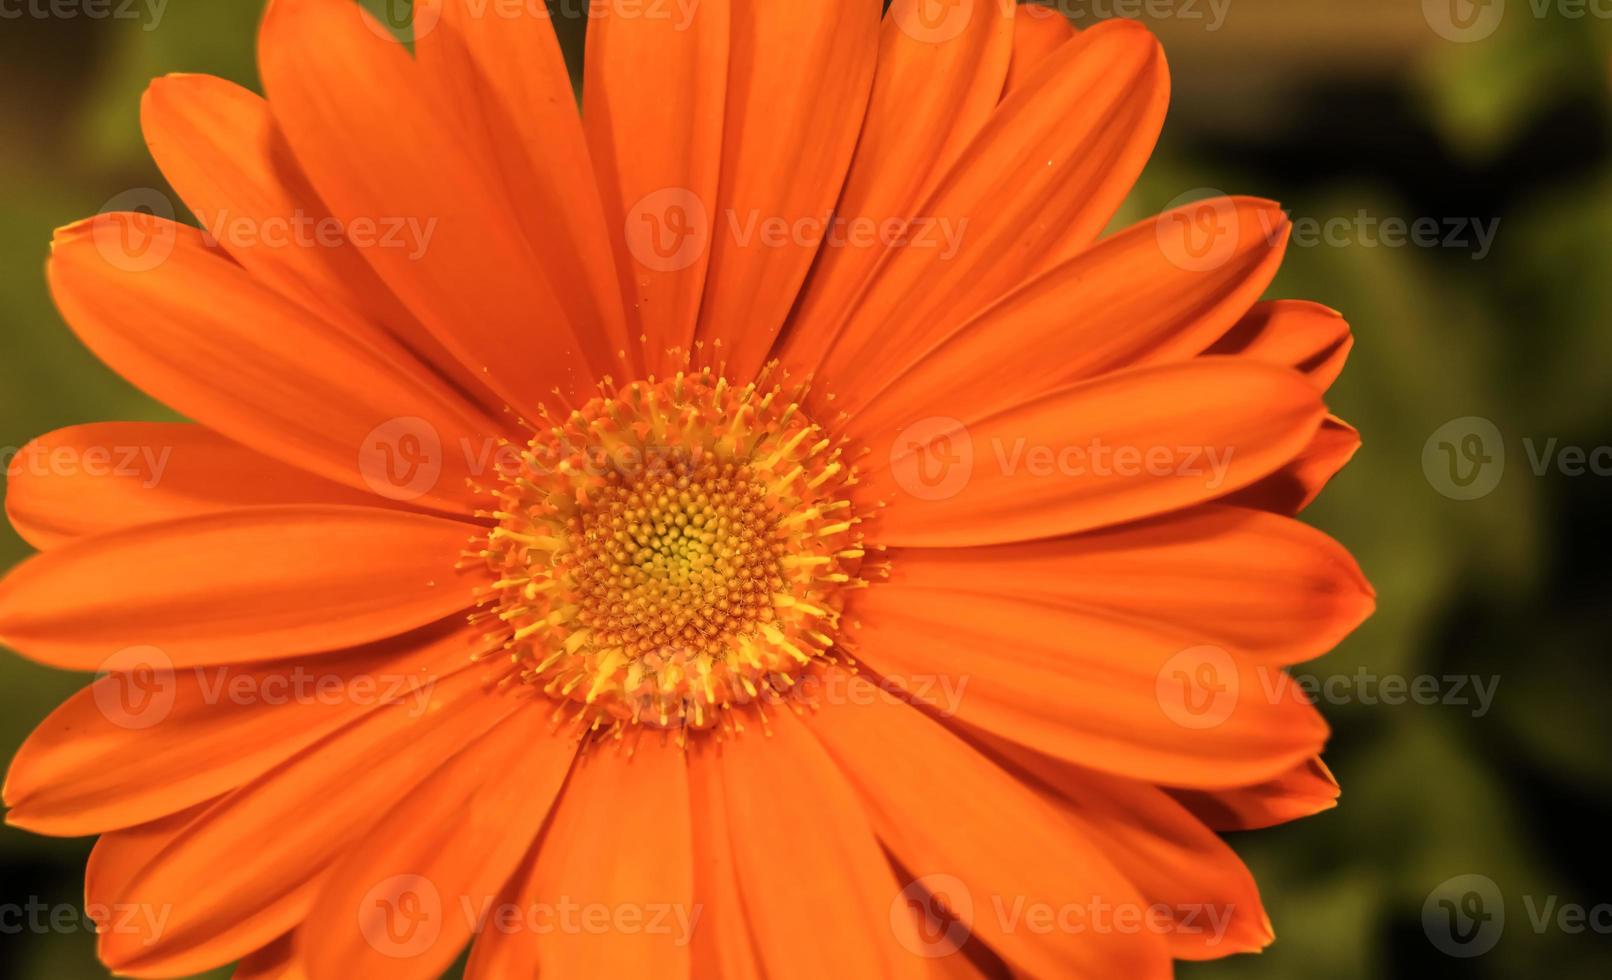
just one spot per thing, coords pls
(118, 856)
(501, 70)
(280, 834)
(1035, 188)
(1306, 337)
(1132, 300)
(106, 476)
(1210, 902)
(941, 66)
(1094, 688)
(199, 334)
(497, 954)
(234, 587)
(1295, 486)
(407, 897)
(817, 888)
(615, 868)
(657, 152)
(722, 943)
(381, 143)
(800, 75)
(116, 754)
(1037, 32)
(1120, 448)
(1303, 791)
(1258, 583)
(972, 831)
(222, 151)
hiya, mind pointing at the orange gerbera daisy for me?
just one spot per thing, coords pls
(752, 526)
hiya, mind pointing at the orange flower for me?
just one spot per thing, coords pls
(804, 549)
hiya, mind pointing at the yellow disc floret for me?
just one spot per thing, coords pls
(671, 550)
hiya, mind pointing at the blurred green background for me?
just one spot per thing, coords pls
(1348, 112)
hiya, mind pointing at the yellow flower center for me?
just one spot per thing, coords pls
(672, 550)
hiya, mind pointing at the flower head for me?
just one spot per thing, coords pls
(755, 525)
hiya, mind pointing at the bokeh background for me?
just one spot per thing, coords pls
(1350, 112)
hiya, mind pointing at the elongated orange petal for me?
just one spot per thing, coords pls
(380, 143)
(1305, 336)
(1090, 687)
(234, 587)
(816, 886)
(279, 835)
(106, 476)
(722, 943)
(657, 151)
(1303, 791)
(1207, 899)
(1258, 583)
(948, 813)
(1296, 485)
(449, 846)
(1129, 301)
(619, 849)
(1035, 188)
(1038, 31)
(500, 68)
(116, 754)
(201, 335)
(120, 855)
(508, 952)
(940, 67)
(219, 146)
(1120, 448)
(799, 80)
